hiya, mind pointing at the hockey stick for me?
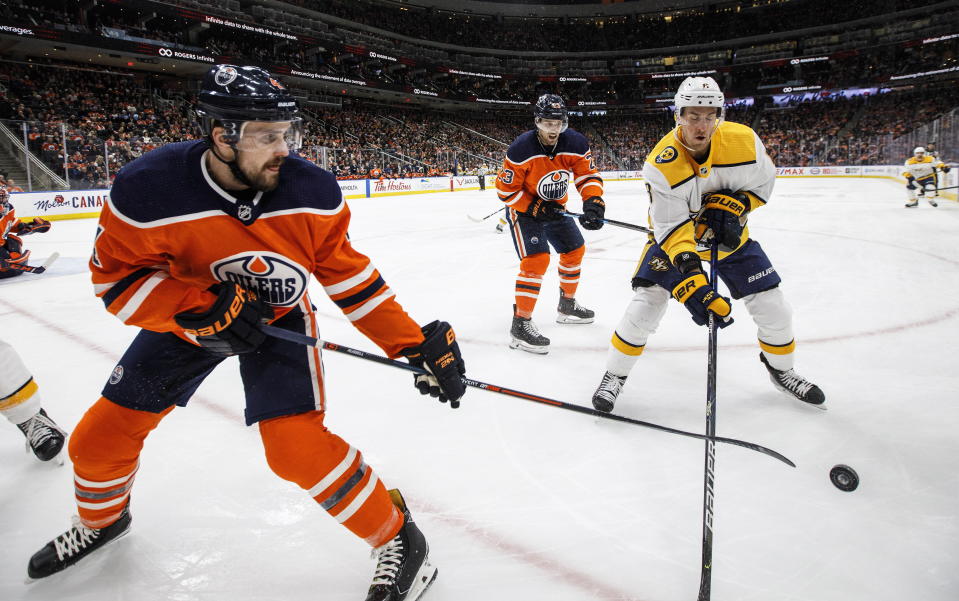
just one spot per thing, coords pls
(629, 226)
(38, 269)
(709, 479)
(330, 346)
(479, 219)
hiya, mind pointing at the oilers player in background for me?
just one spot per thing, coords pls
(539, 168)
(201, 243)
(704, 178)
(921, 175)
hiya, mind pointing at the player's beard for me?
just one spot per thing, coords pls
(262, 178)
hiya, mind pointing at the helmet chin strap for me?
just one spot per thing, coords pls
(678, 134)
(234, 168)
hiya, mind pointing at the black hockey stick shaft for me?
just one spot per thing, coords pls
(709, 478)
(623, 224)
(330, 346)
(490, 215)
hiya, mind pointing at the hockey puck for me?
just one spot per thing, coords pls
(844, 478)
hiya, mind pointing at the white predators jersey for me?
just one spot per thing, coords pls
(921, 168)
(737, 162)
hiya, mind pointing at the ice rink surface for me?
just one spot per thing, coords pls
(525, 502)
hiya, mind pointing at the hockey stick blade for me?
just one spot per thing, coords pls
(623, 224)
(37, 269)
(310, 341)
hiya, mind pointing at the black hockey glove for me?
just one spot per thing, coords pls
(594, 210)
(945, 168)
(545, 210)
(911, 183)
(439, 354)
(39, 225)
(697, 295)
(722, 213)
(232, 325)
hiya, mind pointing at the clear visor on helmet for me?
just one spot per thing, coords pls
(271, 135)
(551, 126)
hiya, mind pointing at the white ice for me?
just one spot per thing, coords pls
(522, 501)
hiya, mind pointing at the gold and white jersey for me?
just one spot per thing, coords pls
(737, 162)
(921, 168)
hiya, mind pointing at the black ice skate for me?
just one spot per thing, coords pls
(44, 436)
(796, 385)
(525, 336)
(403, 568)
(572, 312)
(75, 544)
(932, 201)
(606, 393)
(912, 204)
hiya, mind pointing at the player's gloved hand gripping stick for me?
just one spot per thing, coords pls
(232, 325)
(310, 341)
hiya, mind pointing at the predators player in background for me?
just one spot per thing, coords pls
(201, 243)
(540, 165)
(21, 404)
(704, 178)
(921, 175)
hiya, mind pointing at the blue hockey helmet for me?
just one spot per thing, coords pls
(231, 95)
(551, 107)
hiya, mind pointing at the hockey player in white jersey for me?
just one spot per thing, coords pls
(704, 178)
(21, 404)
(921, 178)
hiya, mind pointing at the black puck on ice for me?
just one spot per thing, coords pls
(844, 478)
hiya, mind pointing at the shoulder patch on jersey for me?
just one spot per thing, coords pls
(676, 172)
(667, 155)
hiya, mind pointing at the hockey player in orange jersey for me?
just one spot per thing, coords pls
(539, 167)
(201, 243)
(13, 258)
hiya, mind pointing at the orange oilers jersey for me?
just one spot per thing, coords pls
(169, 232)
(531, 170)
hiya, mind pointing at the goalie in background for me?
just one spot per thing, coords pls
(20, 403)
(12, 254)
(921, 178)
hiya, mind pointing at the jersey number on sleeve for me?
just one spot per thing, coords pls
(506, 175)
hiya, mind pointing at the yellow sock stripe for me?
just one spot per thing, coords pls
(21, 396)
(626, 348)
(778, 349)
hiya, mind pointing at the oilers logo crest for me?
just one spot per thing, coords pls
(553, 185)
(225, 75)
(278, 280)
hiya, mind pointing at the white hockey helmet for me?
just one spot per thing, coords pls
(919, 150)
(700, 91)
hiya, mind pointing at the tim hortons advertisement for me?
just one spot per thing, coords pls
(60, 204)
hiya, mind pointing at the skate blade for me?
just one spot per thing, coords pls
(603, 407)
(573, 319)
(425, 577)
(820, 406)
(536, 350)
(29, 580)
